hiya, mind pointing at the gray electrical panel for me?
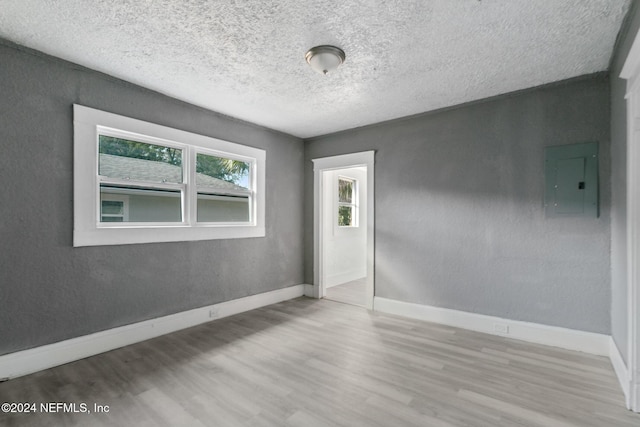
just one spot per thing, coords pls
(571, 180)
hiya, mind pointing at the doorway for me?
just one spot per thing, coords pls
(343, 228)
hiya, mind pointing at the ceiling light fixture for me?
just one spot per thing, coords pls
(325, 58)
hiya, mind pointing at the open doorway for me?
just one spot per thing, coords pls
(343, 228)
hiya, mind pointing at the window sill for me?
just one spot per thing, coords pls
(129, 235)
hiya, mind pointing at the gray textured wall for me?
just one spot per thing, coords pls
(619, 183)
(50, 291)
(459, 207)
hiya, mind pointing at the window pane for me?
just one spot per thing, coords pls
(124, 159)
(112, 219)
(218, 172)
(345, 216)
(144, 204)
(112, 207)
(221, 208)
(345, 191)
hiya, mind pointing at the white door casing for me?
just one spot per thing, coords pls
(631, 73)
(320, 165)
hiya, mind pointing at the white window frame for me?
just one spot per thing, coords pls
(89, 123)
(355, 223)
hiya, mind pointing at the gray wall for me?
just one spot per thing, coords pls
(50, 291)
(619, 183)
(459, 207)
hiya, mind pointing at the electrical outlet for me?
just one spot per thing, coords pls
(213, 312)
(501, 328)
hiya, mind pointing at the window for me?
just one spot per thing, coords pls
(138, 182)
(149, 175)
(347, 207)
(223, 189)
(114, 208)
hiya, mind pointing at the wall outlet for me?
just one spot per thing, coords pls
(213, 312)
(501, 328)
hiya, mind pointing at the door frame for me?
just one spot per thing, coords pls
(631, 73)
(320, 165)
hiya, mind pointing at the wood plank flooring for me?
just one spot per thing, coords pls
(312, 363)
(354, 292)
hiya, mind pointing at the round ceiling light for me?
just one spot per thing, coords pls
(325, 58)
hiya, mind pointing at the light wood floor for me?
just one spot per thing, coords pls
(320, 363)
(354, 292)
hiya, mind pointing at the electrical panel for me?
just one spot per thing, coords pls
(571, 180)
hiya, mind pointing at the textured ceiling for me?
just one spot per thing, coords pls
(246, 58)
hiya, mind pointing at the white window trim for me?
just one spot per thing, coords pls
(88, 231)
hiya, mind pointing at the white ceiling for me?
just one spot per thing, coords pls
(246, 58)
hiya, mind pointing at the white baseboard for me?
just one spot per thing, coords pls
(308, 291)
(570, 339)
(621, 371)
(25, 362)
